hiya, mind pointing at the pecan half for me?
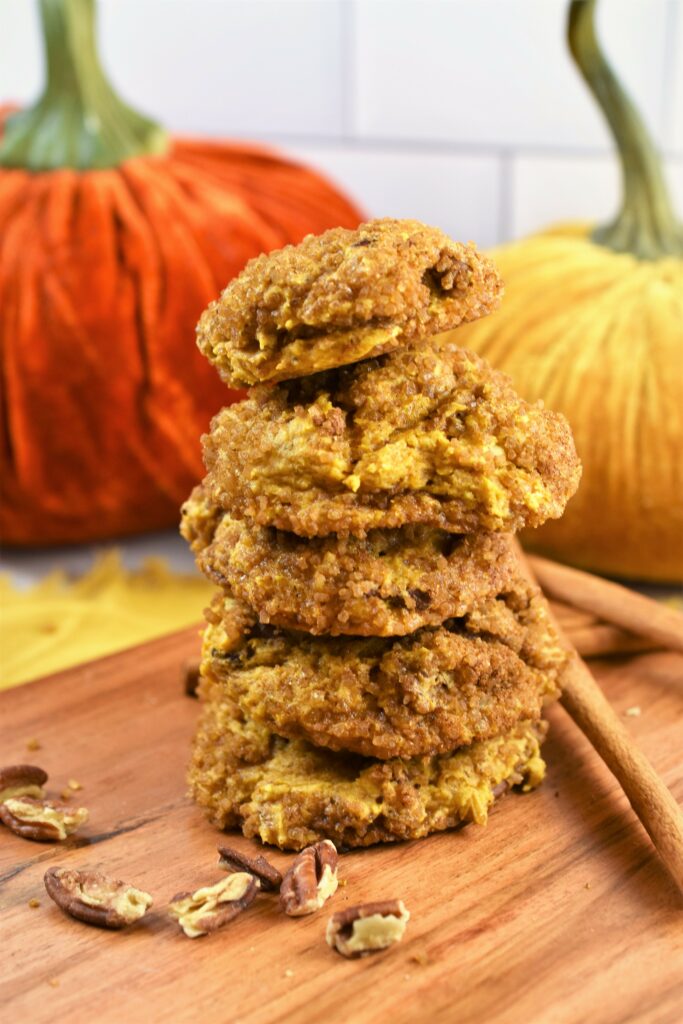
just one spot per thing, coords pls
(310, 880)
(95, 898)
(191, 678)
(21, 780)
(268, 877)
(43, 820)
(208, 909)
(367, 928)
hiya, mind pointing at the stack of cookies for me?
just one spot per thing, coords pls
(374, 667)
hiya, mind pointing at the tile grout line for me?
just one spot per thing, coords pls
(436, 147)
(505, 195)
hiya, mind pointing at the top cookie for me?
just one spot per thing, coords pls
(344, 296)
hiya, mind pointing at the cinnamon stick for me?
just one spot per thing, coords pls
(610, 602)
(603, 640)
(659, 813)
(571, 617)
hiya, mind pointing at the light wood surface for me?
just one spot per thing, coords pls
(557, 912)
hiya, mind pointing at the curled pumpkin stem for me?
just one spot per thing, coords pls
(646, 224)
(79, 121)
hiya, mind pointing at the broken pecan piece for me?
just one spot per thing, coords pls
(46, 821)
(96, 899)
(21, 780)
(208, 909)
(191, 676)
(268, 877)
(367, 928)
(310, 880)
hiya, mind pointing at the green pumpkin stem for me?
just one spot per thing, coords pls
(646, 224)
(79, 121)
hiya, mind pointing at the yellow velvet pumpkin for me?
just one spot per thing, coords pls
(592, 323)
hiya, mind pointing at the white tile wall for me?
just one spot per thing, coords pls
(551, 188)
(459, 192)
(494, 72)
(464, 113)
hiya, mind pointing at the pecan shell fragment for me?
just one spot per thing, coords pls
(96, 899)
(21, 780)
(310, 880)
(268, 877)
(208, 909)
(191, 678)
(367, 928)
(44, 821)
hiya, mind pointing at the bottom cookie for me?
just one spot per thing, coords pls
(290, 793)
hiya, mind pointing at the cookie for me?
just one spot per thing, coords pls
(344, 296)
(430, 435)
(291, 794)
(389, 583)
(439, 688)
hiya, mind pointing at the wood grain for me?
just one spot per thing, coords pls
(558, 911)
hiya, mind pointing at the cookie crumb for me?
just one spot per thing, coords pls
(588, 886)
(75, 785)
(33, 903)
(632, 712)
(289, 973)
(54, 982)
(33, 744)
(66, 794)
(420, 957)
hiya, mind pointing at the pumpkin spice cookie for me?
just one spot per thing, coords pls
(442, 687)
(291, 794)
(391, 582)
(343, 296)
(426, 435)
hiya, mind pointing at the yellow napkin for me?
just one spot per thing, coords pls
(61, 622)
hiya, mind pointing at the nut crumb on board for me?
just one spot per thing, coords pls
(33, 903)
(54, 982)
(96, 899)
(210, 908)
(267, 876)
(311, 880)
(33, 744)
(367, 928)
(21, 780)
(44, 821)
(632, 712)
(190, 678)
(74, 785)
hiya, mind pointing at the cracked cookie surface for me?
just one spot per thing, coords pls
(443, 687)
(427, 435)
(391, 582)
(344, 296)
(290, 794)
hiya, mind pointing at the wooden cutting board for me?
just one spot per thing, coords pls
(558, 911)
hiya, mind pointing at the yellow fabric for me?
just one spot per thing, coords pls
(62, 622)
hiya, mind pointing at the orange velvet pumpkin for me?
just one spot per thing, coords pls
(109, 251)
